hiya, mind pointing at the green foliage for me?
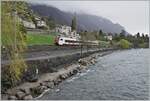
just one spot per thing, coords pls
(104, 44)
(136, 40)
(50, 22)
(124, 44)
(122, 34)
(100, 35)
(36, 39)
(13, 39)
(144, 45)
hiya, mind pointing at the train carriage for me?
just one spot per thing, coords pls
(72, 41)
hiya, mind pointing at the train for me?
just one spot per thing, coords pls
(61, 40)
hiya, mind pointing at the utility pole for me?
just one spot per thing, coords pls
(81, 43)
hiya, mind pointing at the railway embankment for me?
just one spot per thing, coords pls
(45, 73)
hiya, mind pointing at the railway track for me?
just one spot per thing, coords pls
(44, 52)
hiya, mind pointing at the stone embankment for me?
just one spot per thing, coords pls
(31, 90)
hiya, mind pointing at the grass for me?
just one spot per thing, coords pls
(38, 39)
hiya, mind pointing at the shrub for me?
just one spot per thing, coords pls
(124, 44)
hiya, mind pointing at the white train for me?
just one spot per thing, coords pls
(66, 41)
(72, 41)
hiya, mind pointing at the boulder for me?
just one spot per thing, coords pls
(92, 61)
(83, 62)
(50, 84)
(42, 88)
(57, 81)
(20, 94)
(11, 97)
(31, 75)
(33, 78)
(25, 90)
(71, 73)
(78, 68)
(75, 71)
(28, 97)
(63, 76)
(83, 67)
(36, 90)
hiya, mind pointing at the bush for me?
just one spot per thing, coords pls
(144, 45)
(124, 44)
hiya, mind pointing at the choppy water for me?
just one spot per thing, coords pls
(121, 75)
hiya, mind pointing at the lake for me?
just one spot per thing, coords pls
(121, 75)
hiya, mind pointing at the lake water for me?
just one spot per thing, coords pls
(122, 75)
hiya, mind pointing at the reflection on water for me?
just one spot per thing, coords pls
(120, 75)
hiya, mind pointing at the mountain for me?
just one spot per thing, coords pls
(84, 21)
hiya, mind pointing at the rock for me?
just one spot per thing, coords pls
(37, 90)
(94, 57)
(42, 88)
(50, 85)
(25, 90)
(63, 76)
(78, 68)
(57, 90)
(75, 71)
(83, 62)
(20, 94)
(71, 73)
(56, 82)
(92, 61)
(42, 83)
(68, 74)
(11, 97)
(33, 79)
(83, 67)
(28, 97)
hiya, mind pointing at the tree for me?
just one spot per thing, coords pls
(122, 34)
(74, 23)
(147, 38)
(143, 36)
(116, 37)
(100, 32)
(124, 44)
(138, 35)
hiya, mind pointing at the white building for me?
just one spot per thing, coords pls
(67, 32)
(108, 36)
(28, 24)
(40, 22)
(74, 34)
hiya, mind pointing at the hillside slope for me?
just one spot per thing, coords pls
(84, 21)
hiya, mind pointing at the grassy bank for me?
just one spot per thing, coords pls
(38, 39)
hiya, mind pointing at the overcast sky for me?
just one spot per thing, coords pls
(133, 15)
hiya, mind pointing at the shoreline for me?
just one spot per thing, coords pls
(47, 81)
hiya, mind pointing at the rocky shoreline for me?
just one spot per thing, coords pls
(31, 90)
